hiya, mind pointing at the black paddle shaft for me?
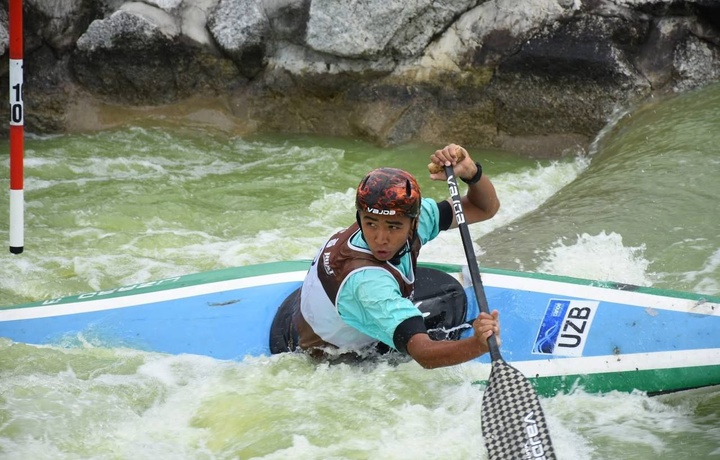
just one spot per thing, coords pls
(514, 426)
(470, 256)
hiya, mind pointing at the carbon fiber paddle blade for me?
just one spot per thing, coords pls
(513, 423)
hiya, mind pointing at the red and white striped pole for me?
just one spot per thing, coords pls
(17, 127)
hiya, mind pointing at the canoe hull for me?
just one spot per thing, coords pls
(562, 333)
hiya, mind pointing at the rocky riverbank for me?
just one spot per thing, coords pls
(541, 78)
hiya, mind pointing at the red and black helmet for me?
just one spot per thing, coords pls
(389, 192)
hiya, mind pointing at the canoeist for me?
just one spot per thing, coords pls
(358, 294)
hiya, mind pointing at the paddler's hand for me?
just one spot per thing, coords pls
(455, 156)
(486, 325)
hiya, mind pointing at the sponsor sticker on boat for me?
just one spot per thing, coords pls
(565, 327)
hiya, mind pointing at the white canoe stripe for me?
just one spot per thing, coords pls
(619, 363)
(87, 306)
(639, 299)
(555, 288)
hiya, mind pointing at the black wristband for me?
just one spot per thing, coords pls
(476, 178)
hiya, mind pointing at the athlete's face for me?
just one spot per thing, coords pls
(385, 235)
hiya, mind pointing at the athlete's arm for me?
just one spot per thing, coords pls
(431, 354)
(370, 301)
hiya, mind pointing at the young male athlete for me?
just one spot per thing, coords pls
(358, 291)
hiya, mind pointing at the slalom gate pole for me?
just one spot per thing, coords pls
(17, 127)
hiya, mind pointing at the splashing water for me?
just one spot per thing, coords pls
(602, 255)
(143, 203)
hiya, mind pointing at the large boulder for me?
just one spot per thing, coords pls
(541, 79)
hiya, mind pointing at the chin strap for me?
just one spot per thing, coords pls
(398, 255)
(408, 245)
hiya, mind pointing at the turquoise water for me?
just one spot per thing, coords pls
(146, 202)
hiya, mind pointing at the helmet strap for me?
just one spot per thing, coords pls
(408, 244)
(357, 218)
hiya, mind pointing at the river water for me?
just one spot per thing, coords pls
(151, 200)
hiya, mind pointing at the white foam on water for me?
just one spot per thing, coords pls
(105, 404)
(519, 193)
(91, 402)
(707, 279)
(631, 425)
(96, 403)
(601, 257)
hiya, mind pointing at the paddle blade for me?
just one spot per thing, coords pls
(513, 423)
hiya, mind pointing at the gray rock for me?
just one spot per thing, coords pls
(138, 55)
(543, 78)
